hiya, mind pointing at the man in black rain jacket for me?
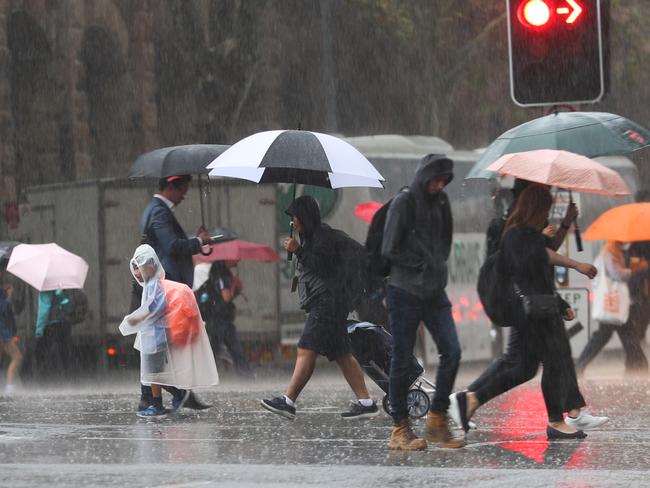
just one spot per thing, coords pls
(320, 277)
(417, 241)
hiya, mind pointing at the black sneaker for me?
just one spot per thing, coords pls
(358, 411)
(280, 406)
(180, 400)
(194, 403)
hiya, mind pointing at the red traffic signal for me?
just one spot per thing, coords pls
(541, 13)
(556, 51)
(534, 13)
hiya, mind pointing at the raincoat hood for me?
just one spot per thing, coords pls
(146, 261)
(431, 166)
(307, 211)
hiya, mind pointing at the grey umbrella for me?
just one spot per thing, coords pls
(176, 160)
(590, 134)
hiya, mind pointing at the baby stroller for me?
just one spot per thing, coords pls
(371, 346)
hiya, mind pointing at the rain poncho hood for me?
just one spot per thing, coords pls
(169, 355)
(146, 261)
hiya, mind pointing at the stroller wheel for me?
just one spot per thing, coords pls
(385, 404)
(418, 403)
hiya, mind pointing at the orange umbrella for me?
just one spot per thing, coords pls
(562, 169)
(366, 211)
(627, 223)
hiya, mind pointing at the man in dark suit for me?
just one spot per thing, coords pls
(160, 229)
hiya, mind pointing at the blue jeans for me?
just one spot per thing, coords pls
(406, 311)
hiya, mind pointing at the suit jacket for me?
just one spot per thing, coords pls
(161, 230)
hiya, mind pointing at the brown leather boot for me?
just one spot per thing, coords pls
(437, 430)
(404, 439)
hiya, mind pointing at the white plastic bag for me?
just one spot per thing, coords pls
(611, 298)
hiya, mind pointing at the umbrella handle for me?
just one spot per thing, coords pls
(576, 228)
(578, 238)
(206, 253)
(289, 253)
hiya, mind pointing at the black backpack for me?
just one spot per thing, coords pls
(355, 280)
(72, 311)
(378, 264)
(493, 288)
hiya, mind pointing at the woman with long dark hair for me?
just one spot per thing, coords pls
(527, 263)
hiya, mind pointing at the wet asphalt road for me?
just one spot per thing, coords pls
(89, 436)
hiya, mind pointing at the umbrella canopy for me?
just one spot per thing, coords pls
(590, 134)
(239, 250)
(296, 156)
(366, 211)
(5, 252)
(222, 234)
(627, 223)
(561, 169)
(47, 266)
(176, 160)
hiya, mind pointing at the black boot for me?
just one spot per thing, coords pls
(146, 398)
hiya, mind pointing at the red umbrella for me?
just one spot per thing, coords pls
(366, 211)
(239, 250)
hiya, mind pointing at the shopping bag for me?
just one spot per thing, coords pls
(611, 297)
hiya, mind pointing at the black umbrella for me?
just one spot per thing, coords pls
(191, 159)
(176, 160)
(5, 252)
(222, 234)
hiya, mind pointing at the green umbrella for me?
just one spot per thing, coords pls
(590, 134)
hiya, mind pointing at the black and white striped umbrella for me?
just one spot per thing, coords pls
(296, 156)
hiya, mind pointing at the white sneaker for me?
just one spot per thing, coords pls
(454, 413)
(585, 421)
(453, 410)
(10, 390)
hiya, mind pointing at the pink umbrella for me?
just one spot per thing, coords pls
(562, 169)
(366, 211)
(239, 250)
(47, 266)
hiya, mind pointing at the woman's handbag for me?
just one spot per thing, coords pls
(539, 306)
(611, 298)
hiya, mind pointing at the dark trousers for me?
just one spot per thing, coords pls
(509, 359)
(529, 344)
(406, 311)
(641, 316)
(224, 332)
(53, 351)
(635, 360)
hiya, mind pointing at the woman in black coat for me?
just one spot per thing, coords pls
(528, 262)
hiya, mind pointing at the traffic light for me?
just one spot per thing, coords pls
(556, 51)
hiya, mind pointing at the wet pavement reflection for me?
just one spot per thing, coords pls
(61, 438)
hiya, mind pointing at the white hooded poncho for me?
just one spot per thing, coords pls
(171, 337)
